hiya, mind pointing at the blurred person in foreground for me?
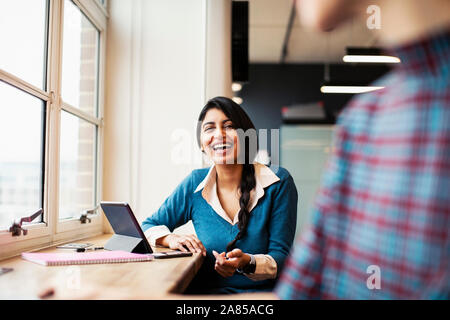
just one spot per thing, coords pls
(384, 202)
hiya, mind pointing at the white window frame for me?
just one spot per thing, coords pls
(54, 231)
(103, 7)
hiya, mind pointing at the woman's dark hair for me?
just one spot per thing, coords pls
(240, 120)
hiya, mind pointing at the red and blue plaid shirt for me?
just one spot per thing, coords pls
(382, 212)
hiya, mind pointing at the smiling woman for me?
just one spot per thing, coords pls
(243, 212)
(221, 141)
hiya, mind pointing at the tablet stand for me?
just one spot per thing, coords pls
(126, 243)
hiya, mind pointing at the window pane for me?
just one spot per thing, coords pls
(80, 60)
(23, 35)
(77, 182)
(21, 141)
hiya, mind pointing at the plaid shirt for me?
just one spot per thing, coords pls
(384, 201)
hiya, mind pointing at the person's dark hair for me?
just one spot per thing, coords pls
(240, 120)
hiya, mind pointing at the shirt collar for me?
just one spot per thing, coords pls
(263, 175)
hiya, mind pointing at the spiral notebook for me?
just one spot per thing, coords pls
(58, 259)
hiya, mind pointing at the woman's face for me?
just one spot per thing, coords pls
(218, 138)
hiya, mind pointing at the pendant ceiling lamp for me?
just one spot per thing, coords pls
(347, 89)
(368, 55)
(343, 88)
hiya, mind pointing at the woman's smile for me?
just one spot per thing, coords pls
(219, 137)
(221, 146)
(221, 149)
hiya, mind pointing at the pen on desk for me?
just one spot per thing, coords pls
(89, 249)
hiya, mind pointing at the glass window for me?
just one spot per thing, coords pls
(23, 35)
(77, 181)
(21, 145)
(80, 60)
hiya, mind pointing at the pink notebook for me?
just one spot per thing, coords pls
(58, 259)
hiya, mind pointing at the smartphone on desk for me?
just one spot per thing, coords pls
(171, 254)
(74, 246)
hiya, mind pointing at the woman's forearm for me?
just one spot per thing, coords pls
(163, 241)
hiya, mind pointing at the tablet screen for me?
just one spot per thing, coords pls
(121, 219)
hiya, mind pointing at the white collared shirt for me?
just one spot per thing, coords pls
(266, 266)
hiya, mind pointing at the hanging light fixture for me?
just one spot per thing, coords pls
(356, 55)
(344, 88)
(368, 55)
(348, 89)
(330, 86)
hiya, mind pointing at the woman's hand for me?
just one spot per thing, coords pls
(227, 263)
(183, 243)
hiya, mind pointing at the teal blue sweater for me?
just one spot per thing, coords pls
(271, 229)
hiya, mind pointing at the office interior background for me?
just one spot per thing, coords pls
(100, 100)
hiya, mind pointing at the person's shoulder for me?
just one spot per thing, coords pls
(412, 90)
(193, 179)
(403, 97)
(410, 99)
(282, 181)
(282, 173)
(197, 175)
(200, 173)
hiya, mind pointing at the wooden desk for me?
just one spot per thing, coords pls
(159, 277)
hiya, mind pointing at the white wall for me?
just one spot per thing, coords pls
(164, 59)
